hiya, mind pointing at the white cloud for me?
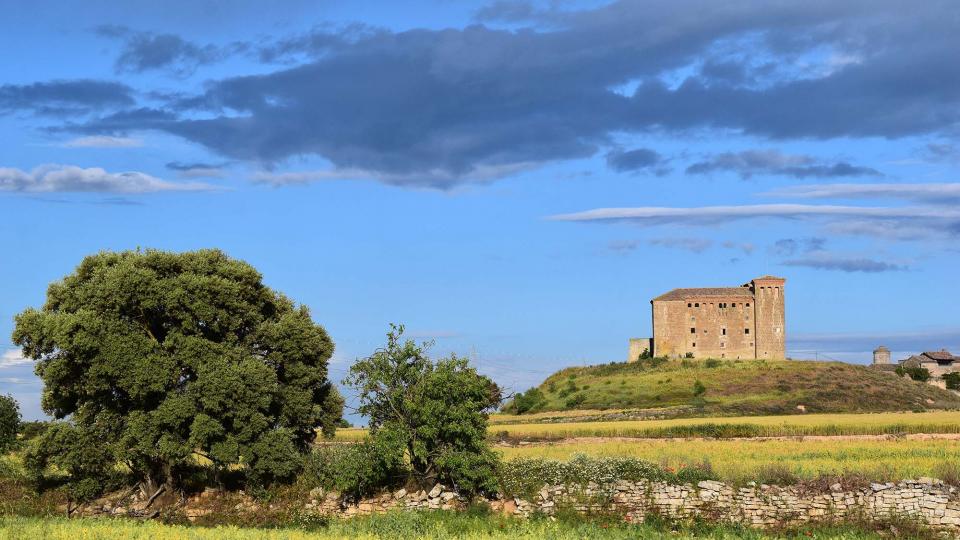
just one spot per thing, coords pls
(935, 193)
(69, 178)
(13, 357)
(717, 214)
(103, 141)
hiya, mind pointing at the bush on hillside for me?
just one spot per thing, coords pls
(916, 373)
(355, 470)
(952, 380)
(525, 402)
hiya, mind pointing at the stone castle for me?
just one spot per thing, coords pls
(743, 322)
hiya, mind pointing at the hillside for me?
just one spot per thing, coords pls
(731, 387)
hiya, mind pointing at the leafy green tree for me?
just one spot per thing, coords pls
(952, 380)
(9, 422)
(698, 388)
(162, 356)
(435, 413)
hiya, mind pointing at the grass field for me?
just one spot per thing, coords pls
(745, 426)
(434, 525)
(890, 423)
(740, 387)
(739, 461)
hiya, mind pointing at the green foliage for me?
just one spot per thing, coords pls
(435, 413)
(81, 453)
(524, 477)
(525, 402)
(33, 429)
(575, 401)
(711, 363)
(698, 388)
(952, 380)
(159, 356)
(9, 422)
(355, 470)
(916, 373)
(645, 354)
(688, 355)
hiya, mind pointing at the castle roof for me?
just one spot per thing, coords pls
(700, 292)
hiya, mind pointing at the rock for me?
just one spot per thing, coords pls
(802, 408)
(448, 495)
(437, 489)
(317, 493)
(836, 487)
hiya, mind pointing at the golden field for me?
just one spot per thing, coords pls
(890, 423)
(740, 460)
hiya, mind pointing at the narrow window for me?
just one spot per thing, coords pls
(697, 304)
(694, 344)
(723, 331)
(689, 304)
(746, 331)
(723, 345)
(733, 304)
(693, 330)
(748, 304)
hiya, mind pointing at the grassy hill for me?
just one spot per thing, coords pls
(731, 387)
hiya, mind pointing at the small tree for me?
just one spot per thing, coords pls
(434, 413)
(916, 373)
(952, 380)
(157, 357)
(699, 389)
(9, 422)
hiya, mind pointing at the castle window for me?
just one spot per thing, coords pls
(733, 304)
(746, 330)
(689, 304)
(723, 331)
(693, 330)
(694, 344)
(748, 304)
(723, 345)
(697, 304)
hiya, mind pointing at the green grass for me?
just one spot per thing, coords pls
(737, 387)
(409, 525)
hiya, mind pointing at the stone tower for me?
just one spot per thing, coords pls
(719, 322)
(881, 356)
(770, 331)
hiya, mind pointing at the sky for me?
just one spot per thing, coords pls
(512, 180)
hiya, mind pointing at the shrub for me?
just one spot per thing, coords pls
(431, 416)
(916, 373)
(524, 477)
(9, 422)
(711, 363)
(354, 470)
(575, 401)
(525, 402)
(952, 380)
(699, 389)
(33, 429)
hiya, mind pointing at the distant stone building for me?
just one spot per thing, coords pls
(719, 322)
(881, 356)
(938, 363)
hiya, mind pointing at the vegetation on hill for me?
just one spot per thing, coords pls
(730, 387)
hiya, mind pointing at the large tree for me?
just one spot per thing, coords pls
(161, 357)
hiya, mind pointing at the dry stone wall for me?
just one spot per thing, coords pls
(928, 500)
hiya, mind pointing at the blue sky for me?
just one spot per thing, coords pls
(513, 180)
